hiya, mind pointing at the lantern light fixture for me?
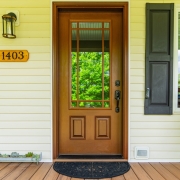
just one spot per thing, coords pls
(9, 21)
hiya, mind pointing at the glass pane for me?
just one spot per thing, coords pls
(106, 104)
(90, 104)
(106, 66)
(90, 25)
(74, 76)
(90, 76)
(90, 35)
(74, 25)
(106, 25)
(74, 66)
(178, 59)
(74, 41)
(73, 104)
(90, 65)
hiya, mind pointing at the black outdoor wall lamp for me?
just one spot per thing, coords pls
(8, 24)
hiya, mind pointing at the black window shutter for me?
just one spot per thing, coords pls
(159, 58)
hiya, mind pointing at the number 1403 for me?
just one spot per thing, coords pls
(14, 55)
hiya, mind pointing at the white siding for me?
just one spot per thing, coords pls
(160, 133)
(25, 88)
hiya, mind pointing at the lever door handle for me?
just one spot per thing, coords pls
(117, 97)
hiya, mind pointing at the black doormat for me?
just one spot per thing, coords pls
(91, 170)
(90, 156)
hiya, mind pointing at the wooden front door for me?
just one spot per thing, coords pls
(90, 82)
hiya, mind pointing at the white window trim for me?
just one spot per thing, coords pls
(176, 110)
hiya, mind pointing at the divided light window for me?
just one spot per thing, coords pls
(90, 65)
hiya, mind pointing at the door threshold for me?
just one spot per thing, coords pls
(90, 158)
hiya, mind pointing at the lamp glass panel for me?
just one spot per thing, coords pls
(8, 27)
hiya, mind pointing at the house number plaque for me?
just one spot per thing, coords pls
(14, 55)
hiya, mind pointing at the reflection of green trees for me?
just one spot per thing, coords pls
(90, 77)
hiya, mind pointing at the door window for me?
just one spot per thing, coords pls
(90, 65)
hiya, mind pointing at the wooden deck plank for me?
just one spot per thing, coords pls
(8, 169)
(14, 174)
(3, 165)
(175, 171)
(62, 177)
(139, 171)
(176, 165)
(51, 175)
(163, 171)
(76, 178)
(29, 172)
(151, 171)
(42, 171)
(118, 178)
(130, 175)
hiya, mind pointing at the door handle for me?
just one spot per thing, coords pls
(147, 93)
(117, 97)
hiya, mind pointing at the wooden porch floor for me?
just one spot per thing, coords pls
(44, 171)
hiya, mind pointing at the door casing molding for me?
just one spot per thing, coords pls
(55, 103)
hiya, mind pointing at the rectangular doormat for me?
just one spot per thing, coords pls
(91, 170)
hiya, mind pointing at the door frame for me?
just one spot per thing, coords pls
(55, 103)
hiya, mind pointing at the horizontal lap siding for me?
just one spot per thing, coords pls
(25, 88)
(159, 132)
